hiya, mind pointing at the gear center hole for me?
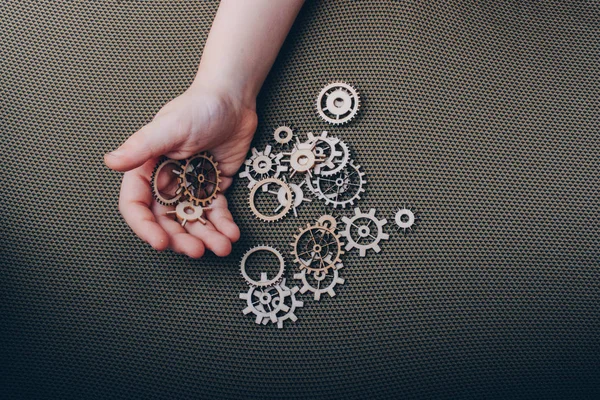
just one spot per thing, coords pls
(364, 231)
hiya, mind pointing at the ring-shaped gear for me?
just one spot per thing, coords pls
(162, 163)
(405, 218)
(287, 195)
(200, 179)
(265, 303)
(364, 232)
(317, 243)
(338, 103)
(332, 276)
(261, 165)
(343, 188)
(264, 281)
(291, 302)
(186, 211)
(340, 162)
(288, 134)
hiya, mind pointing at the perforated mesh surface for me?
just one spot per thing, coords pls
(483, 117)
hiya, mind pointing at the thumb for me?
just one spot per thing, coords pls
(155, 139)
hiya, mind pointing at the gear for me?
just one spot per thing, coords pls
(262, 165)
(298, 195)
(283, 135)
(343, 188)
(339, 163)
(317, 244)
(287, 195)
(162, 164)
(186, 211)
(302, 157)
(338, 103)
(292, 303)
(200, 179)
(328, 221)
(321, 282)
(266, 303)
(264, 282)
(364, 237)
(325, 148)
(405, 219)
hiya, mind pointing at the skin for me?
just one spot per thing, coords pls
(217, 113)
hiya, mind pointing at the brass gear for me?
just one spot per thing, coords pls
(318, 242)
(200, 179)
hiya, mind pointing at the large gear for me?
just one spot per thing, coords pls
(317, 244)
(343, 188)
(364, 237)
(261, 165)
(287, 195)
(200, 179)
(162, 164)
(266, 303)
(291, 302)
(338, 103)
(264, 281)
(321, 282)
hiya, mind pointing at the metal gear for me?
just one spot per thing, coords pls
(364, 238)
(318, 287)
(338, 103)
(316, 243)
(283, 134)
(162, 164)
(200, 179)
(186, 211)
(291, 302)
(264, 281)
(287, 195)
(266, 303)
(405, 219)
(262, 165)
(343, 188)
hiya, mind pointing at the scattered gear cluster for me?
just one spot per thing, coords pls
(190, 185)
(319, 167)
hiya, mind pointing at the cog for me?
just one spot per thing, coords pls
(364, 238)
(288, 196)
(339, 163)
(343, 188)
(283, 134)
(328, 221)
(338, 103)
(266, 303)
(405, 219)
(200, 179)
(321, 282)
(298, 195)
(264, 281)
(302, 157)
(325, 148)
(317, 248)
(186, 211)
(291, 302)
(262, 165)
(162, 164)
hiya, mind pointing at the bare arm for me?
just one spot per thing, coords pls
(217, 113)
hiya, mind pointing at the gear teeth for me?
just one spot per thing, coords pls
(364, 228)
(162, 162)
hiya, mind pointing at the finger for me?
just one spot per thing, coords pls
(222, 219)
(134, 205)
(153, 140)
(214, 240)
(180, 240)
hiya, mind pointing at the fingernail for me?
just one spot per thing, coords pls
(117, 153)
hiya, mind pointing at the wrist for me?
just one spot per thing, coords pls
(228, 85)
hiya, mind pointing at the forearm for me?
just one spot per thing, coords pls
(243, 43)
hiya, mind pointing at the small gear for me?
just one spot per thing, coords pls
(287, 195)
(162, 164)
(266, 303)
(302, 157)
(200, 179)
(316, 244)
(325, 149)
(264, 281)
(368, 231)
(262, 165)
(328, 221)
(291, 302)
(283, 134)
(405, 219)
(298, 195)
(343, 188)
(338, 103)
(186, 211)
(321, 282)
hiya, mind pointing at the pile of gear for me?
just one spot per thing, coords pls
(322, 165)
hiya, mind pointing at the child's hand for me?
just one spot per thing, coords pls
(201, 119)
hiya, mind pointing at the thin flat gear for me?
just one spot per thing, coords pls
(338, 103)
(320, 276)
(364, 231)
(264, 282)
(333, 249)
(195, 181)
(284, 209)
(341, 181)
(162, 163)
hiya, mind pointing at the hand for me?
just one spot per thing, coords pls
(201, 119)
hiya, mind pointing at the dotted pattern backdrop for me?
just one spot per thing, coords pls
(482, 116)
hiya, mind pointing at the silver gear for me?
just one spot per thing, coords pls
(264, 281)
(293, 304)
(338, 103)
(319, 277)
(405, 219)
(343, 188)
(266, 303)
(261, 165)
(364, 232)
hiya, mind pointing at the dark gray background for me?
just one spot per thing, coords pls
(482, 116)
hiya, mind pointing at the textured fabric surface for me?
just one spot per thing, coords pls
(483, 116)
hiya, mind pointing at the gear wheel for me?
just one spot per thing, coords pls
(262, 165)
(283, 134)
(162, 164)
(264, 281)
(288, 196)
(302, 157)
(298, 195)
(328, 221)
(186, 211)
(200, 179)
(291, 302)
(317, 244)
(364, 224)
(325, 148)
(343, 188)
(318, 287)
(339, 163)
(338, 103)
(405, 219)
(266, 303)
